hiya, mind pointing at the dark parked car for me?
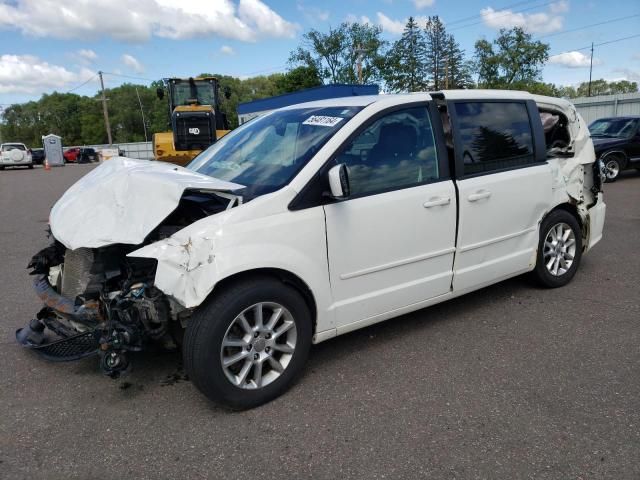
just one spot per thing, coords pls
(617, 142)
(87, 155)
(37, 156)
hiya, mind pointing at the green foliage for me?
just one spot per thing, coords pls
(405, 67)
(602, 87)
(457, 69)
(334, 54)
(436, 39)
(298, 78)
(513, 60)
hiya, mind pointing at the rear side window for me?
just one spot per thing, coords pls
(493, 136)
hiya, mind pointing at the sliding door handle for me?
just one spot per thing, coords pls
(436, 202)
(479, 195)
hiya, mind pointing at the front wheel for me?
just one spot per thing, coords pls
(559, 249)
(612, 167)
(246, 345)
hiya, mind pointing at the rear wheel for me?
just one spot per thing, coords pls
(246, 345)
(559, 249)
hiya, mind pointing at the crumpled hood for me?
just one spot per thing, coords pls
(123, 200)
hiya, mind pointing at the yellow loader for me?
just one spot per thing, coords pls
(196, 119)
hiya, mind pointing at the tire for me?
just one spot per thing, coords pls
(613, 164)
(31, 167)
(567, 252)
(240, 385)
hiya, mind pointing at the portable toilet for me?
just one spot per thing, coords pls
(53, 150)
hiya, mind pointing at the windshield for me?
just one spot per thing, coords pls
(613, 127)
(202, 91)
(266, 153)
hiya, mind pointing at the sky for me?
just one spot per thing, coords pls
(48, 45)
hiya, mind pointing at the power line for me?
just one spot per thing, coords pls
(82, 84)
(473, 17)
(589, 26)
(129, 76)
(588, 47)
(500, 15)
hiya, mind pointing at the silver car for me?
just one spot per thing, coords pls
(15, 155)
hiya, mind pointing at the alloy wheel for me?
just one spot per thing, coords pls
(258, 345)
(559, 249)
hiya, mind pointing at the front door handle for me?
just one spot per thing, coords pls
(479, 195)
(436, 202)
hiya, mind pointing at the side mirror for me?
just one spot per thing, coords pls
(339, 182)
(160, 92)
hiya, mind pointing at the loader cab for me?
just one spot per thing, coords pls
(196, 119)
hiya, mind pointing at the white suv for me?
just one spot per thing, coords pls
(15, 155)
(313, 221)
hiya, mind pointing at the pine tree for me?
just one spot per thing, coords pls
(436, 42)
(457, 70)
(405, 69)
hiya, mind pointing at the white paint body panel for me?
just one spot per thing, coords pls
(364, 260)
(122, 201)
(498, 231)
(387, 251)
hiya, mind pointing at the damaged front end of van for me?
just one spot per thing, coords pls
(98, 300)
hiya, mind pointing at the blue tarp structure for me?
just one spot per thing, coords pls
(249, 110)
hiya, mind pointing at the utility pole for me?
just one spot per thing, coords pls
(144, 123)
(590, 70)
(105, 110)
(359, 51)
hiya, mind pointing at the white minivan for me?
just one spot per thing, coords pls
(310, 222)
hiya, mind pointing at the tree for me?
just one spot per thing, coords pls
(436, 42)
(405, 68)
(602, 87)
(298, 78)
(457, 70)
(512, 61)
(334, 55)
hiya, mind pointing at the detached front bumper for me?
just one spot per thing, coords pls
(67, 344)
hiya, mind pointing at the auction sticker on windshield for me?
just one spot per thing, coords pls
(322, 121)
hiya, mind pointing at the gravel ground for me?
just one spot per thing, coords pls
(506, 383)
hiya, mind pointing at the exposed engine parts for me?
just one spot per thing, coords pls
(98, 301)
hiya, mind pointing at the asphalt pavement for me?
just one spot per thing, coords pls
(510, 382)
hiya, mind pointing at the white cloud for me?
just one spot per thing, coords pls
(351, 18)
(573, 59)
(635, 56)
(420, 4)
(30, 74)
(313, 14)
(396, 27)
(139, 20)
(541, 22)
(227, 50)
(559, 7)
(389, 25)
(132, 62)
(628, 74)
(87, 55)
